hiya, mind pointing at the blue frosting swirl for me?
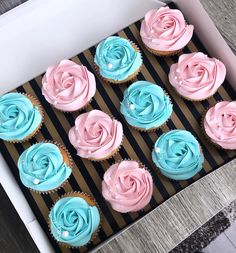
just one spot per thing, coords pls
(42, 167)
(73, 221)
(178, 155)
(145, 105)
(117, 59)
(18, 117)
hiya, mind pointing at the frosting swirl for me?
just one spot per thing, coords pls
(127, 186)
(165, 29)
(19, 118)
(73, 221)
(196, 76)
(145, 105)
(42, 167)
(177, 154)
(96, 135)
(220, 124)
(117, 59)
(68, 86)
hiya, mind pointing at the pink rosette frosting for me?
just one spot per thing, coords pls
(127, 186)
(68, 86)
(165, 29)
(220, 124)
(96, 135)
(197, 76)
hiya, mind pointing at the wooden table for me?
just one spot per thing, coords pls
(170, 223)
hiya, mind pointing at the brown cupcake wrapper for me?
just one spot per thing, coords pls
(36, 103)
(163, 53)
(69, 162)
(91, 202)
(130, 78)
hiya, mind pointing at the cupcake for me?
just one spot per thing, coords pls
(178, 155)
(74, 220)
(68, 86)
(220, 124)
(117, 60)
(44, 167)
(145, 106)
(196, 76)
(165, 32)
(96, 136)
(21, 117)
(127, 186)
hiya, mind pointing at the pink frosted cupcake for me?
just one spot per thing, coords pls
(68, 86)
(196, 76)
(220, 124)
(165, 32)
(128, 186)
(96, 136)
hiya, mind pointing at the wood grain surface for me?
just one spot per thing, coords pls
(6, 5)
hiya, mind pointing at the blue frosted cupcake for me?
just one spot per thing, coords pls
(117, 60)
(178, 155)
(145, 106)
(74, 220)
(21, 117)
(45, 167)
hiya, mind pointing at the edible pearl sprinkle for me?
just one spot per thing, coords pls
(36, 181)
(55, 102)
(78, 141)
(177, 70)
(57, 90)
(157, 150)
(116, 197)
(153, 40)
(76, 128)
(109, 65)
(65, 233)
(132, 106)
(176, 77)
(152, 31)
(180, 82)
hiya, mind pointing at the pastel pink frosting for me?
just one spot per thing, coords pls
(220, 124)
(127, 186)
(197, 76)
(96, 135)
(165, 29)
(68, 86)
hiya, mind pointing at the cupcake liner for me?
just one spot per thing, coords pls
(35, 102)
(163, 53)
(129, 78)
(69, 162)
(91, 202)
(141, 166)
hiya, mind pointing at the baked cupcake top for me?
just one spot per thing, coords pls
(128, 186)
(68, 86)
(96, 135)
(165, 29)
(178, 155)
(197, 76)
(145, 105)
(220, 124)
(42, 167)
(19, 117)
(73, 221)
(117, 58)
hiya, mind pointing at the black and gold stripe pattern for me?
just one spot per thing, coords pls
(87, 176)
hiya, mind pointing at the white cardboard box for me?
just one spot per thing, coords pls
(41, 32)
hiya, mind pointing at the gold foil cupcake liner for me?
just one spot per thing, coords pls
(130, 78)
(69, 162)
(36, 103)
(92, 202)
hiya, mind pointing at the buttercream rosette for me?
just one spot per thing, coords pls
(127, 186)
(164, 31)
(68, 86)
(196, 76)
(220, 124)
(96, 136)
(177, 154)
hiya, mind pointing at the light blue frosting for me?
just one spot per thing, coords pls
(18, 117)
(145, 105)
(177, 154)
(42, 168)
(116, 58)
(73, 221)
